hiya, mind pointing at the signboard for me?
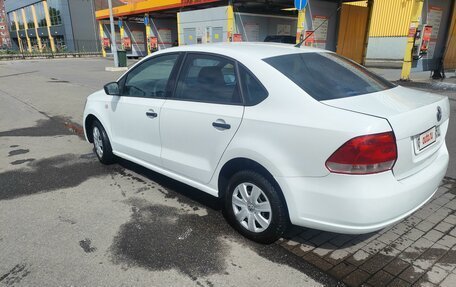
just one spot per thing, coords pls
(237, 37)
(300, 4)
(434, 19)
(153, 43)
(106, 42)
(321, 34)
(412, 32)
(146, 20)
(310, 39)
(127, 43)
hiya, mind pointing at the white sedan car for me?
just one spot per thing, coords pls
(281, 134)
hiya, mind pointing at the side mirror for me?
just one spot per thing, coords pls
(112, 89)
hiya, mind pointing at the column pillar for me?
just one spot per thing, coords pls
(301, 26)
(230, 24)
(414, 22)
(19, 40)
(148, 31)
(35, 20)
(179, 30)
(122, 33)
(102, 36)
(29, 45)
(48, 24)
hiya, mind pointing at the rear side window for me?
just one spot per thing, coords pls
(207, 78)
(252, 89)
(327, 76)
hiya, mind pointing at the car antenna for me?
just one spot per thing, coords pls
(311, 33)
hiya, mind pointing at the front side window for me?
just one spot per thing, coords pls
(327, 76)
(207, 78)
(150, 78)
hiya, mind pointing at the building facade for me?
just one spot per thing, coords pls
(52, 25)
(390, 27)
(371, 32)
(5, 41)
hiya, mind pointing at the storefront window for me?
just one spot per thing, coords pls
(46, 44)
(54, 12)
(12, 23)
(34, 43)
(60, 43)
(40, 15)
(29, 17)
(20, 20)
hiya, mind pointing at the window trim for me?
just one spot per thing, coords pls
(121, 82)
(180, 72)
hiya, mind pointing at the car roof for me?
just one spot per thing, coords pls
(258, 50)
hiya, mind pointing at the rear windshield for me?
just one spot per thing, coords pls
(327, 76)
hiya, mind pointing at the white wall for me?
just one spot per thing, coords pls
(203, 21)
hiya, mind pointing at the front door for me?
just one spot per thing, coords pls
(201, 118)
(135, 115)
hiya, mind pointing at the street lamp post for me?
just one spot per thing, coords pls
(113, 36)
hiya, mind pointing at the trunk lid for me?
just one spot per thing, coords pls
(413, 117)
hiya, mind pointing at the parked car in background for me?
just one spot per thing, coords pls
(281, 39)
(281, 134)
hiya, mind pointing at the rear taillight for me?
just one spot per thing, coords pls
(364, 155)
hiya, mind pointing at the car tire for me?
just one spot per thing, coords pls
(254, 207)
(101, 144)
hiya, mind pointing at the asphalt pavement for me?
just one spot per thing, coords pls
(67, 220)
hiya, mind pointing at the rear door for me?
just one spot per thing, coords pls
(202, 117)
(135, 115)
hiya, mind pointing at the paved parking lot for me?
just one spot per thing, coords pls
(67, 220)
(419, 251)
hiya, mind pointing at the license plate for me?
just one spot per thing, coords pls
(426, 139)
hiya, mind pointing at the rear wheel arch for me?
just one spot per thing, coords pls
(235, 165)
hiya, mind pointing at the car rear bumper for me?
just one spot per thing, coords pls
(356, 204)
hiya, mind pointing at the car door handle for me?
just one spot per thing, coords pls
(151, 114)
(222, 126)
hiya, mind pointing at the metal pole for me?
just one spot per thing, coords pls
(113, 36)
